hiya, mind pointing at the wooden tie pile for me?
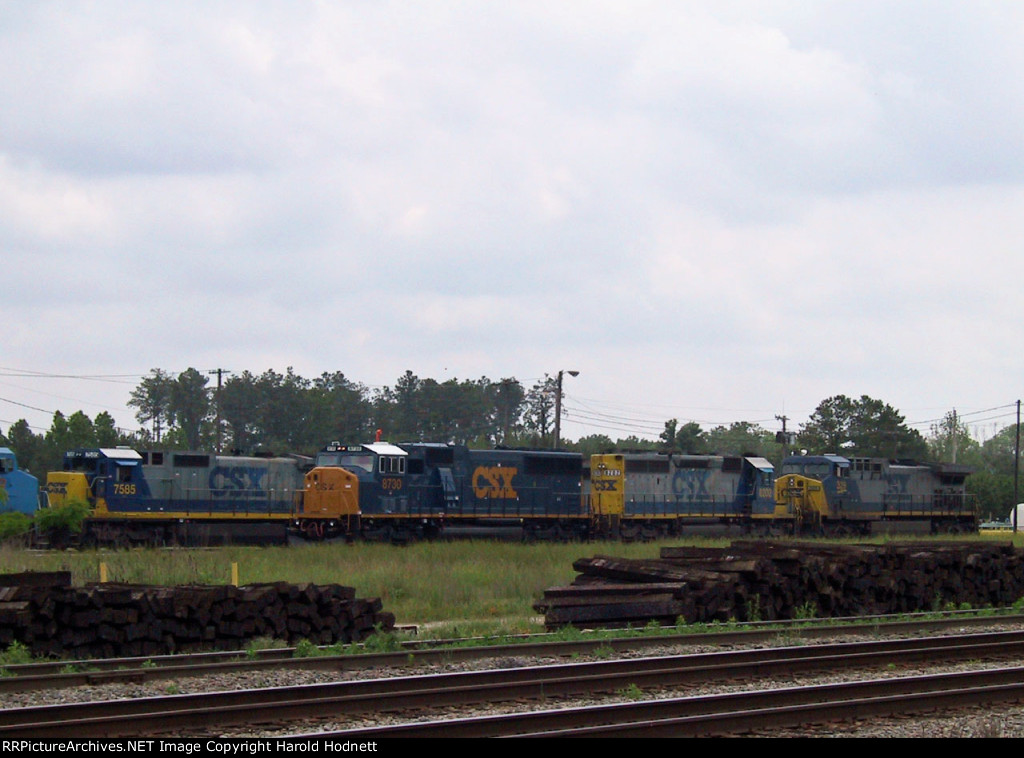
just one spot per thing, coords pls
(750, 581)
(49, 616)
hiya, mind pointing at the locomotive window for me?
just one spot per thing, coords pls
(364, 462)
(124, 473)
(185, 460)
(81, 463)
(6, 465)
(392, 464)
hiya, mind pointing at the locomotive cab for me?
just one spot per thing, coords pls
(96, 477)
(810, 490)
(374, 484)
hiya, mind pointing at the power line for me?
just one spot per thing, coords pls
(26, 373)
(23, 405)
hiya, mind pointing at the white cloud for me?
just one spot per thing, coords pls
(730, 206)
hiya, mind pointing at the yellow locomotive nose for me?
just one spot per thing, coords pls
(63, 487)
(330, 492)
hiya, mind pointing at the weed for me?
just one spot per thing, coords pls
(806, 611)
(257, 644)
(382, 642)
(306, 649)
(17, 652)
(753, 609)
(631, 692)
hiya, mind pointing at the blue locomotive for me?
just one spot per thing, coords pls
(649, 495)
(179, 497)
(420, 489)
(846, 496)
(20, 487)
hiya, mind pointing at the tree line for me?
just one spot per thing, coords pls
(288, 413)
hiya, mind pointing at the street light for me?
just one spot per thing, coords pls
(558, 406)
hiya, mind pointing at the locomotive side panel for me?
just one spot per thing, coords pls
(193, 485)
(521, 484)
(21, 488)
(702, 487)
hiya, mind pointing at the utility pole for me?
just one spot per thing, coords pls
(1016, 468)
(220, 375)
(785, 436)
(558, 406)
(954, 435)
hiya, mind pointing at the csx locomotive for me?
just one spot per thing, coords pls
(401, 492)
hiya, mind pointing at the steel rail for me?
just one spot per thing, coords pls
(718, 715)
(55, 675)
(148, 716)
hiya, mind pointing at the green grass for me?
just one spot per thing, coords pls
(448, 589)
(467, 587)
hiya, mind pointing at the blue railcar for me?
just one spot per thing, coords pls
(21, 487)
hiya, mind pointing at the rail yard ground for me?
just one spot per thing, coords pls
(451, 588)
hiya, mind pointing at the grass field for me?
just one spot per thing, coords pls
(470, 587)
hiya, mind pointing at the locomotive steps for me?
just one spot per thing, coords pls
(765, 581)
(50, 617)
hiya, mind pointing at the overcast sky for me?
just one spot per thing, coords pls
(714, 211)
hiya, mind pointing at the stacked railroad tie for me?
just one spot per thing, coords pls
(50, 617)
(767, 581)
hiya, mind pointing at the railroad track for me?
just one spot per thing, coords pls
(63, 674)
(211, 714)
(749, 712)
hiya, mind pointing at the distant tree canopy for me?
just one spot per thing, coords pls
(864, 428)
(289, 413)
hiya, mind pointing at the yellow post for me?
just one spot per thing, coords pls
(234, 574)
(103, 573)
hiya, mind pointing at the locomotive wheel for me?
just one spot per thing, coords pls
(313, 531)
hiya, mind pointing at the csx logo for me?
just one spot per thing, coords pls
(57, 488)
(237, 482)
(494, 482)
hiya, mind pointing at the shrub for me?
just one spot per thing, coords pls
(60, 522)
(14, 524)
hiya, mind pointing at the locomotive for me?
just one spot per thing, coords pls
(844, 496)
(407, 491)
(21, 487)
(651, 495)
(421, 489)
(178, 497)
